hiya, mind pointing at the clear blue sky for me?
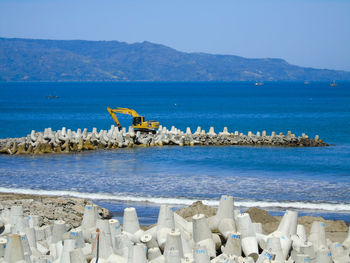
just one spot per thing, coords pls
(313, 33)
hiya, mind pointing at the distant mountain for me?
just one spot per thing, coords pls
(78, 60)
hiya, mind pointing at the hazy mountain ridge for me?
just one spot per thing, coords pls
(79, 60)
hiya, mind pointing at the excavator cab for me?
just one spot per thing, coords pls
(138, 122)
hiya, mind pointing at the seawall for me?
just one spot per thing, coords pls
(66, 140)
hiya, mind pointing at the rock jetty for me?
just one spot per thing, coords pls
(224, 236)
(66, 140)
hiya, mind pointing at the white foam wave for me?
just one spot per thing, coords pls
(339, 207)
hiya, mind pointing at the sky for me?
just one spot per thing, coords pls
(310, 33)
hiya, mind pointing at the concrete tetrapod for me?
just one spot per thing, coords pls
(346, 242)
(103, 226)
(211, 132)
(198, 131)
(48, 231)
(274, 244)
(220, 259)
(301, 232)
(131, 224)
(286, 228)
(173, 242)
(89, 221)
(318, 235)
(30, 233)
(59, 228)
(323, 255)
(302, 258)
(225, 210)
(288, 224)
(103, 249)
(297, 243)
(34, 220)
(202, 235)
(217, 241)
(200, 254)
(3, 242)
(155, 256)
(137, 254)
(266, 256)
(187, 244)
(77, 235)
(149, 241)
(233, 245)
(248, 237)
(224, 132)
(183, 225)
(17, 219)
(308, 249)
(25, 244)
(14, 249)
(173, 257)
(122, 244)
(76, 256)
(165, 224)
(68, 246)
(40, 233)
(339, 253)
(226, 227)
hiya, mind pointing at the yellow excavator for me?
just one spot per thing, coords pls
(138, 122)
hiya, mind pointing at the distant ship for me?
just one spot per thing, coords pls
(333, 84)
(306, 82)
(259, 83)
(52, 97)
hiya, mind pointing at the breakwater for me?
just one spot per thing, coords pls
(222, 235)
(66, 140)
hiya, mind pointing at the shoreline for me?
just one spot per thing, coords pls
(302, 207)
(71, 210)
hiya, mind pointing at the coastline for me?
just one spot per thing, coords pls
(71, 210)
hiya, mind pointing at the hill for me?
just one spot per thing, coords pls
(78, 60)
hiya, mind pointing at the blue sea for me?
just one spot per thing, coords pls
(310, 180)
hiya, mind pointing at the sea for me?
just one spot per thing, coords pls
(313, 181)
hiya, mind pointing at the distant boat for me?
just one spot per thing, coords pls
(334, 84)
(52, 97)
(306, 82)
(259, 83)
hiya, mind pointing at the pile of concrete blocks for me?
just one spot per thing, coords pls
(66, 140)
(229, 236)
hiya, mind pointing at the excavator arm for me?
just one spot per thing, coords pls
(113, 112)
(125, 111)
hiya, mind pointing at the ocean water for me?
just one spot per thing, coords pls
(310, 180)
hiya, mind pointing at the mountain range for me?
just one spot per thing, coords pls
(80, 60)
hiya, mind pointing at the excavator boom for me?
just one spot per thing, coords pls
(114, 117)
(125, 111)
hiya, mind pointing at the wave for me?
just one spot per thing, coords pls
(331, 207)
